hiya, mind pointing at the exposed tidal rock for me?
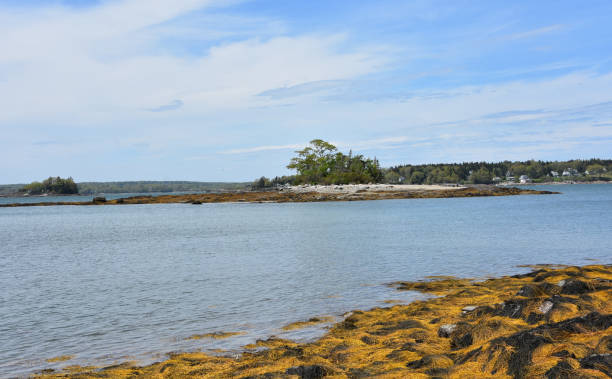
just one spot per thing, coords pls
(551, 323)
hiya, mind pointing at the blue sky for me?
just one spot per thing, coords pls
(227, 90)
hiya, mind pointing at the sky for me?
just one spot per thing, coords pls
(213, 90)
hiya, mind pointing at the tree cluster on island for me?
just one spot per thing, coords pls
(51, 186)
(321, 163)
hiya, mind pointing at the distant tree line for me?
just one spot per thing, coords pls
(321, 163)
(87, 188)
(57, 185)
(487, 173)
(51, 185)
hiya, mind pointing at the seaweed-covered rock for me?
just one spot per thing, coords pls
(604, 345)
(512, 308)
(576, 287)
(431, 361)
(562, 370)
(601, 362)
(461, 336)
(310, 372)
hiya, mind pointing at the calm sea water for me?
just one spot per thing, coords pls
(113, 283)
(71, 198)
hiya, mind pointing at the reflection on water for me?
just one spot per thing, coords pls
(107, 284)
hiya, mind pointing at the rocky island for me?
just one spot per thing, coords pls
(306, 193)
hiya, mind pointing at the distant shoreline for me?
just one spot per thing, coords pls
(300, 194)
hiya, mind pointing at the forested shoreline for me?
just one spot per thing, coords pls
(91, 188)
(321, 163)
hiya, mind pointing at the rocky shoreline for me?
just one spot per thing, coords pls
(550, 323)
(309, 194)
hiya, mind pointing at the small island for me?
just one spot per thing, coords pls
(323, 174)
(50, 186)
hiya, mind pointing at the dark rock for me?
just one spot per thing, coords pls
(430, 360)
(604, 345)
(435, 320)
(196, 202)
(512, 308)
(310, 372)
(524, 343)
(576, 287)
(601, 362)
(563, 354)
(529, 274)
(359, 373)
(562, 370)
(368, 340)
(539, 290)
(409, 324)
(268, 375)
(437, 372)
(99, 199)
(528, 291)
(462, 336)
(402, 325)
(293, 351)
(468, 356)
(558, 299)
(534, 318)
(349, 323)
(592, 322)
(410, 346)
(549, 289)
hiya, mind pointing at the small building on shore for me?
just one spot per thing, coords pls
(570, 172)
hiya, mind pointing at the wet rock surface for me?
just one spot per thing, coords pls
(550, 323)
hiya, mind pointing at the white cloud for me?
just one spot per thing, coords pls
(536, 32)
(104, 65)
(264, 148)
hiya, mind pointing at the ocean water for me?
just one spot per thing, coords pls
(108, 284)
(73, 198)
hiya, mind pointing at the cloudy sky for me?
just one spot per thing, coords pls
(227, 90)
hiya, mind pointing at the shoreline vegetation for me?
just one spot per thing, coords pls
(320, 163)
(553, 322)
(307, 193)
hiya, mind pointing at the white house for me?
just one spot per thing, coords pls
(524, 179)
(570, 172)
(554, 174)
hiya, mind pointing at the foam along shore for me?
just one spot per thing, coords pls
(552, 322)
(311, 194)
